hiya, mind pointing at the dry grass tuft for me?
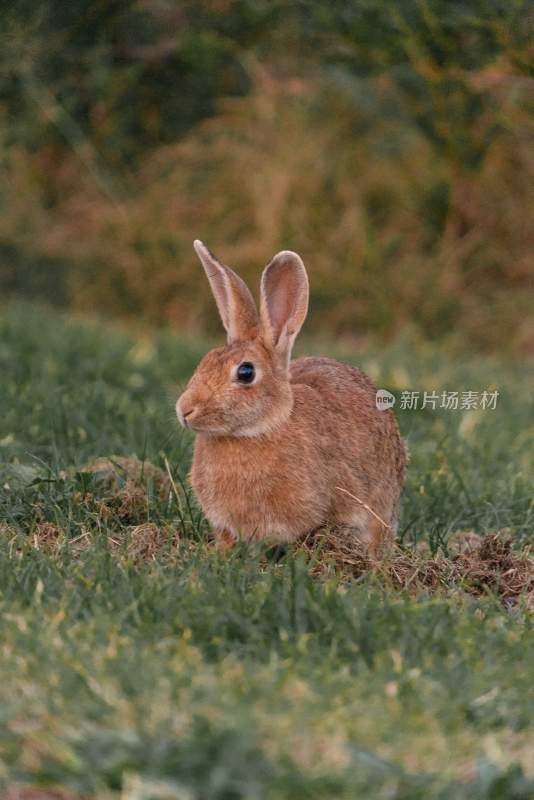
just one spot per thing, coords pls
(6, 531)
(148, 541)
(494, 566)
(47, 536)
(129, 503)
(477, 565)
(463, 542)
(126, 480)
(144, 542)
(116, 469)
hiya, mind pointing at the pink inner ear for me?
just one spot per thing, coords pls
(280, 296)
(285, 294)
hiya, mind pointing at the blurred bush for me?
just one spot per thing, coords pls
(391, 144)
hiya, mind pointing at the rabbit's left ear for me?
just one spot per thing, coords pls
(284, 302)
(235, 303)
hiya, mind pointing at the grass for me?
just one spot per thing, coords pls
(150, 669)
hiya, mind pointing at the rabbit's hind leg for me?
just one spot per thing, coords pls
(373, 533)
(223, 539)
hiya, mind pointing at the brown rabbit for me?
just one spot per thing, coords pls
(284, 447)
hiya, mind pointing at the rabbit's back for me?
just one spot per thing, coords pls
(365, 453)
(331, 377)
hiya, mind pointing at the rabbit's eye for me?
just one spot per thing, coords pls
(245, 372)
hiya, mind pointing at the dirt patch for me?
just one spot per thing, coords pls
(138, 543)
(148, 542)
(494, 565)
(126, 481)
(47, 537)
(476, 565)
(118, 469)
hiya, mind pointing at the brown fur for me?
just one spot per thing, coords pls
(273, 458)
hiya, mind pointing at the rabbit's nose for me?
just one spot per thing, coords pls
(187, 414)
(183, 412)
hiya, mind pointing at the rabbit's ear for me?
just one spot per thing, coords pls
(234, 300)
(284, 301)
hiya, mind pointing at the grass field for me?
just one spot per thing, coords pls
(136, 662)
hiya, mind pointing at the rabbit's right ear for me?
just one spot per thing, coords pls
(235, 303)
(284, 302)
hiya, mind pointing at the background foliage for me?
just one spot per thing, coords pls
(389, 143)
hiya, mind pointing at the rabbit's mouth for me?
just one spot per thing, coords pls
(199, 424)
(197, 427)
(194, 425)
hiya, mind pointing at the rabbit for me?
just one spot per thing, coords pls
(285, 447)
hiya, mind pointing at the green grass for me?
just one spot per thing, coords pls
(192, 675)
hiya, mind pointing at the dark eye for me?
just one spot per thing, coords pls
(246, 372)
